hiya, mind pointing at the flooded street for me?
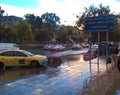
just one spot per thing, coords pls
(71, 77)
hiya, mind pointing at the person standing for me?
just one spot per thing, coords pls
(113, 54)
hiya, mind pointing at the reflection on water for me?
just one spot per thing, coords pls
(70, 77)
(74, 57)
(9, 74)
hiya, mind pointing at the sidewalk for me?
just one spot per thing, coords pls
(102, 84)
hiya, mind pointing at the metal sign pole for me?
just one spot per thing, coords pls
(98, 52)
(106, 49)
(90, 51)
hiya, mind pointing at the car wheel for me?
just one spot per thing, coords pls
(34, 63)
(1, 66)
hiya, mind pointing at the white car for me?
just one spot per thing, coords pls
(46, 47)
(94, 47)
(54, 47)
(9, 46)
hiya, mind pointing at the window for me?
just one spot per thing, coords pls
(8, 53)
(28, 53)
(17, 53)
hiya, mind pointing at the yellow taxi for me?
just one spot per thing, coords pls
(76, 47)
(20, 58)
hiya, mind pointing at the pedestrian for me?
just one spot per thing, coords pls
(113, 54)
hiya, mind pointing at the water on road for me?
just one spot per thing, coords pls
(71, 77)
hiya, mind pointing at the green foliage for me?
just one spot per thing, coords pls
(92, 11)
(50, 21)
(115, 35)
(24, 32)
(43, 26)
(40, 29)
(7, 34)
(50, 18)
(1, 14)
(35, 21)
(97, 11)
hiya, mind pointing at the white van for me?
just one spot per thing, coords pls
(8, 46)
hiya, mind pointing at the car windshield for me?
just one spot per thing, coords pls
(28, 53)
(94, 46)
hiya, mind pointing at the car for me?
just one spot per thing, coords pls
(102, 47)
(46, 47)
(54, 47)
(76, 47)
(59, 47)
(94, 48)
(20, 58)
(89, 55)
(9, 46)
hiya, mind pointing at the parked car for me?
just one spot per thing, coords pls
(102, 47)
(89, 55)
(54, 47)
(20, 58)
(46, 47)
(9, 46)
(94, 48)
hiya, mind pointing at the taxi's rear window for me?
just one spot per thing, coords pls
(28, 53)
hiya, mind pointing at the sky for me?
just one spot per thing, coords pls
(65, 9)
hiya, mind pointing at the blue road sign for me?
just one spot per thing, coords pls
(99, 24)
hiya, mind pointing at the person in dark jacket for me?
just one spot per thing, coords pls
(113, 49)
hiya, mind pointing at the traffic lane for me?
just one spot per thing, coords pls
(11, 73)
(18, 72)
(69, 78)
(55, 81)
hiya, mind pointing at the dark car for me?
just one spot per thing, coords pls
(102, 48)
(118, 61)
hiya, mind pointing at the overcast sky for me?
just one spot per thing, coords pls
(65, 9)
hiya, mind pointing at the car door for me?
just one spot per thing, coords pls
(7, 58)
(20, 58)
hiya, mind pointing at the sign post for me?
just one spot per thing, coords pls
(98, 51)
(100, 24)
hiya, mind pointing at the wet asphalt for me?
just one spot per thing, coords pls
(71, 77)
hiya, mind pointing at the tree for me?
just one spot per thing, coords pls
(7, 34)
(24, 32)
(1, 15)
(35, 21)
(115, 35)
(36, 24)
(30, 18)
(62, 34)
(50, 20)
(91, 12)
(99, 11)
